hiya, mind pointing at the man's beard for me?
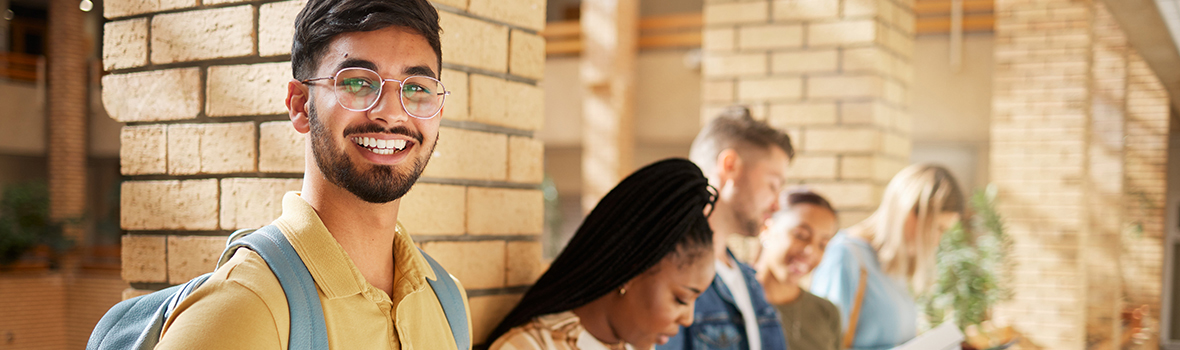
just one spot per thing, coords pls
(380, 184)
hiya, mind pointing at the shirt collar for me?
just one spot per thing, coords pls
(334, 272)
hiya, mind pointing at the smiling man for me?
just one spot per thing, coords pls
(367, 96)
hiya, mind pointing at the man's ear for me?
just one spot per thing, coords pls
(297, 104)
(729, 163)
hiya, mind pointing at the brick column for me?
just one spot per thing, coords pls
(610, 50)
(834, 73)
(67, 150)
(1145, 186)
(208, 147)
(1079, 139)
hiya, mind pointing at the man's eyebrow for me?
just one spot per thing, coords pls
(691, 289)
(356, 62)
(420, 70)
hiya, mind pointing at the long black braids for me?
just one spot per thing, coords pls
(652, 213)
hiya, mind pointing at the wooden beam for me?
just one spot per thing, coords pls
(971, 23)
(562, 29)
(670, 40)
(563, 47)
(943, 7)
(656, 32)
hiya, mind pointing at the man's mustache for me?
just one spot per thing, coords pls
(376, 129)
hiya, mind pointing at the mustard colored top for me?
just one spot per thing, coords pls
(559, 331)
(242, 305)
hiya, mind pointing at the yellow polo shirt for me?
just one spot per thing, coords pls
(242, 306)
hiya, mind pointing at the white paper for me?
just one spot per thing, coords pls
(944, 337)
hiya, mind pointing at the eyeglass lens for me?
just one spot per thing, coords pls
(358, 89)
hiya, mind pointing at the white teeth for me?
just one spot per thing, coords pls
(380, 146)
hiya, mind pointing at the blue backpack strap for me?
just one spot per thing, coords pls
(452, 302)
(308, 329)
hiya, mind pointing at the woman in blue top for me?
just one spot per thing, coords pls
(895, 248)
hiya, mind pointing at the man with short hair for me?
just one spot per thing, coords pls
(746, 161)
(366, 95)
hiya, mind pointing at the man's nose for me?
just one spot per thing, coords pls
(388, 107)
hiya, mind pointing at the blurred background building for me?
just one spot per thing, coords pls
(158, 129)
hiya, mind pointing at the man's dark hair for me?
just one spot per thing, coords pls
(654, 213)
(322, 20)
(802, 195)
(736, 129)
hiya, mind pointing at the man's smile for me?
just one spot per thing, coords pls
(380, 146)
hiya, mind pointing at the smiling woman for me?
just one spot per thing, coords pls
(629, 277)
(792, 246)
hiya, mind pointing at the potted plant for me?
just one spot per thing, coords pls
(971, 260)
(25, 224)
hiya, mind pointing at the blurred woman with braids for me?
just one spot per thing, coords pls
(870, 269)
(630, 275)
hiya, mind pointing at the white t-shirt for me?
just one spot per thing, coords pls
(732, 276)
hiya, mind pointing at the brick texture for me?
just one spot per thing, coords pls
(1085, 132)
(466, 154)
(280, 148)
(117, 9)
(203, 34)
(143, 258)
(431, 209)
(253, 203)
(736, 13)
(455, 106)
(506, 103)
(211, 148)
(169, 205)
(129, 42)
(192, 256)
(524, 263)
(169, 94)
(526, 54)
(526, 159)
(474, 43)
(140, 152)
(250, 89)
(486, 313)
(525, 13)
(276, 28)
(504, 211)
(484, 273)
(775, 36)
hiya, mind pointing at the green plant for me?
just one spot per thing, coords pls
(25, 222)
(970, 265)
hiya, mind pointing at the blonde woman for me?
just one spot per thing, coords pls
(891, 253)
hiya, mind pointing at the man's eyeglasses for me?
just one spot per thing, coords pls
(358, 89)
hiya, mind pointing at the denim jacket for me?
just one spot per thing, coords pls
(718, 325)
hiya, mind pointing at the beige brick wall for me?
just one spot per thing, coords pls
(833, 73)
(1079, 132)
(208, 148)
